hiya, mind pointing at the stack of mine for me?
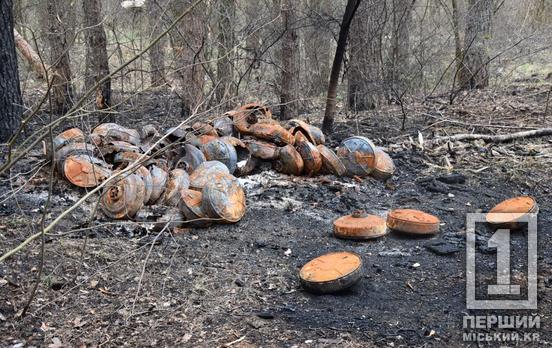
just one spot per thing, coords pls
(194, 169)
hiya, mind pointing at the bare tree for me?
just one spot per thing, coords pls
(474, 72)
(398, 64)
(365, 49)
(97, 63)
(331, 98)
(457, 39)
(226, 41)
(317, 40)
(10, 93)
(157, 52)
(188, 41)
(57, 17)
(290, 56)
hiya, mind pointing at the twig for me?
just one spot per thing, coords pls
(46, 205)
(229, 344)
(547, 102)
(145, 263)
(495, 138)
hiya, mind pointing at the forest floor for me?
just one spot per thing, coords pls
(110, 284)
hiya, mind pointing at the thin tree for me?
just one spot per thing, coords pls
(290, 56)
(97, 63)
(188, 41)
(364, 75)
(226, 41)
(157, 52)
(399, 67)
(474, 72)
(57, 33)
(457, 39)
(329, 115)
(316, 40)
(10, 92)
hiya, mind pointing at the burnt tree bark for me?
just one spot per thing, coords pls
(329, 114)
(97, 63)
(290, 56)
(226, 41)
(10, 92)
(188, 42)
(57, 34)
(365, 70)
(157, 52)
(474, 72)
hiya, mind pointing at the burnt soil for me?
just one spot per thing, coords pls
(114, 284)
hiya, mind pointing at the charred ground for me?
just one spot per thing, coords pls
(226, 283)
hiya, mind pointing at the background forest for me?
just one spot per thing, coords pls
(229, 51)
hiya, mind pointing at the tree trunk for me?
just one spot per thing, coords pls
(10, 94)
(365, 70)
(329, 115)
(475, 72)
(157, 52)
(226, 41)
(457, 39)
(57, 34)
(398, 69)
(187, 42)
(290, 56)
(317, 43)
(96, 52)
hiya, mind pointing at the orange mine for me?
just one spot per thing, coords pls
(507, 213)
(331, 272)
(360, 226)
(412, 221)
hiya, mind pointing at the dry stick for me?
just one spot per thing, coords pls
(48, 201)
(145, 264)
(11, 161)
(495, 138)
(547, 102)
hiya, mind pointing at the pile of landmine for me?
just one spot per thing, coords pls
(194, 168)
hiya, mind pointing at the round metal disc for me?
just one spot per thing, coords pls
(358, 228)
(331, 272)
(412, 221)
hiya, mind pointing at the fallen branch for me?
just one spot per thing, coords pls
(30, 55)
(495, 138)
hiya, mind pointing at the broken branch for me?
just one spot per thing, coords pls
(495, 138)
(30, 55)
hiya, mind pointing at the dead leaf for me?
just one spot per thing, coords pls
(106, 291)
(186, 338)
(44, 327)
(421, 140)
(78, 322)
(56, 343)
(93, 283)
